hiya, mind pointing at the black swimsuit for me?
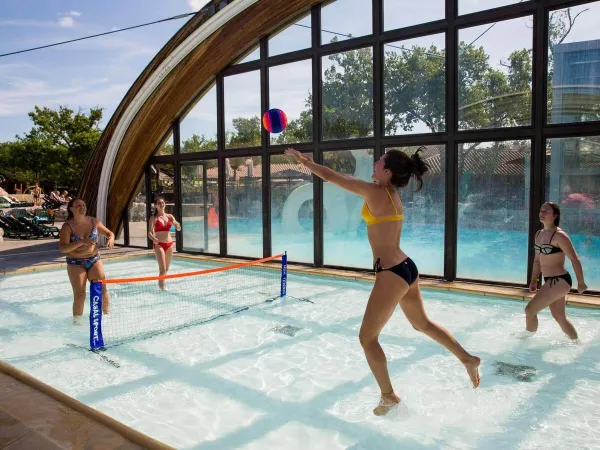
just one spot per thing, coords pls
(407, 270)
(549, 249)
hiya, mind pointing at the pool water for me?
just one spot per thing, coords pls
(291, 374)
(494, 255)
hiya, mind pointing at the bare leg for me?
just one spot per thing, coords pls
(168, 258)
(412, 305)
(381, 306)
(542, 299)
(159, 253)
(96, 272)
(558, 310)
(77, 277)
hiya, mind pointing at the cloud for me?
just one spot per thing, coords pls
(66, 22)
(74, 13)
(196, 4)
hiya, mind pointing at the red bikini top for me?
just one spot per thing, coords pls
(159, 226)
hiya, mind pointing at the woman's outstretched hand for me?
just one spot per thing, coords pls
(300, 157)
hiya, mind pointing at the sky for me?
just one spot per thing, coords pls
(98, 72)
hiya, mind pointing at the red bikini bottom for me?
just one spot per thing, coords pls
(165, 245)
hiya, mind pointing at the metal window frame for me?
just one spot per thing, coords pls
(539, 131)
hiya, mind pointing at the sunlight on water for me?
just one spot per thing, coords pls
(291, 374)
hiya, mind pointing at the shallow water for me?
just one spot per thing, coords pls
(245, 381)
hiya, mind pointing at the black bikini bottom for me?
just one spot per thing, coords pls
(554, 280)
(407, 270)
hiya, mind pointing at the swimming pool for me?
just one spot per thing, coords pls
(238, 383)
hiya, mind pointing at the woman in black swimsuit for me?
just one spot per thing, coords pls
(396, 275)
(551, 246)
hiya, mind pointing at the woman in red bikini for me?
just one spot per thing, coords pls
(159, 232)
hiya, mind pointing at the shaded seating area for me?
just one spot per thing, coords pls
(20, 224)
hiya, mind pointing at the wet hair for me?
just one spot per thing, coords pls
(156, 199)
(70, 205)
(556, 210)
(403, 167)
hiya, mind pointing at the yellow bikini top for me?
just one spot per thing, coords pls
(372, 220)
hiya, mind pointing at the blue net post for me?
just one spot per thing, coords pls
(284, 274)
(96, 339)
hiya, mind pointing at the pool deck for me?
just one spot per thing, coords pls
(34, 415)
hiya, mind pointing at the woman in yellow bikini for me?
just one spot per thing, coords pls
(396, 275)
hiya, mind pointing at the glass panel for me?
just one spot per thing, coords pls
(200, 206)
(120, 237)
(348, 94)
(470, 6)
(345, 19)
(163, 185)
(574, 64)
(573, 182)
(251, 55)
(244, 206)
(138, 222)
(495, 79)
(166, 147)
(198, 130)
(296, 36)
(242, 110)
(424, 212)
(292, 221)
(404, 13)
(290, 87)
(493, 210)
(415, 85)
(345, 240)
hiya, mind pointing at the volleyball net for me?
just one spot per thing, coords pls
(143, 307)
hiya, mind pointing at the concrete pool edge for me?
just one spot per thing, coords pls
(97, 422)
(507, 292)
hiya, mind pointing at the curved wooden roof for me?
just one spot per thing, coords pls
(137, 136)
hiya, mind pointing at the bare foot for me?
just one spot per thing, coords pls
(472, 367)
(386, 404)
(161, 285)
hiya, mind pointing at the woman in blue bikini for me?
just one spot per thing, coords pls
(83, 258)
(396, 275)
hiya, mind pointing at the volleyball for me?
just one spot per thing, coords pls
(275, 120)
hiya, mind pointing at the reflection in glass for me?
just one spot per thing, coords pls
(424, 212)
(120, 237)
(415, 85)
(138, 222)
(574, 64)
(242, 110)
(244, 206)
(574, 184)
(198, 130)
(290, 87)
(200, 206)
(404, 13)
(162, 184)
(493, 210)
(345, 19)
(348, 94)
(296, 36)
(345, 240)
(166, 148)
(470, 6)
(495, 80)
(292, 222)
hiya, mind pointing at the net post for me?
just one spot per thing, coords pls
(284, 274)
(96, 338)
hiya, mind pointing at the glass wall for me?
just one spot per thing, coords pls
(372, 93)
(138, 222)
(344, 232)
(573, 182)
(200, 206)
(493, 210)
(424, 211)
(292, 214)
(162, 184)
(244, 206)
